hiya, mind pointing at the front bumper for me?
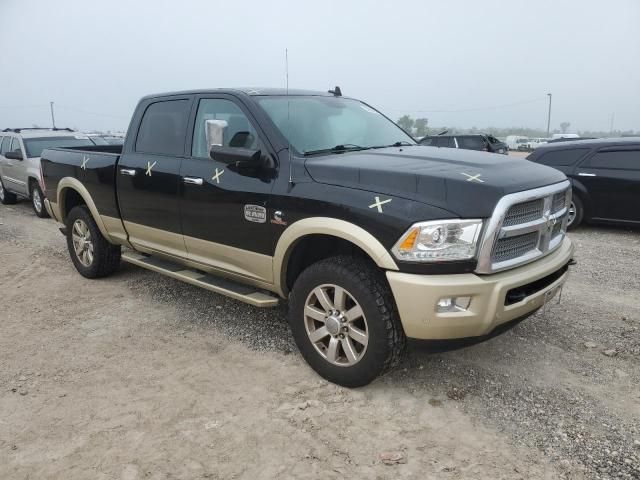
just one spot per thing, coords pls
(417, 297)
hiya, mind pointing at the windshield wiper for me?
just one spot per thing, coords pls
(402, 143)
(347, 147)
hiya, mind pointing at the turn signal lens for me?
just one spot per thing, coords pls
(409, 241)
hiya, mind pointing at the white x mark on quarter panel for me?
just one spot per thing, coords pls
(378, 203)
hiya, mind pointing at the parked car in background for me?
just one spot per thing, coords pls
(534, 143)
(20, 149)
(114, 140)
(555, 136)
(486, 143)
(514, 141)
(604, 174)
(98, 140)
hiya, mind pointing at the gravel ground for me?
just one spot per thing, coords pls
(141, 376)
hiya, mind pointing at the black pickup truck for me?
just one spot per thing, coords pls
(262, 195)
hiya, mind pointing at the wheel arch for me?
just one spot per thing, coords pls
(310, 230)
(69, 189)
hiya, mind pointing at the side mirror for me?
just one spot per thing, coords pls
(214, 131)
(13, 156)
(238, 157)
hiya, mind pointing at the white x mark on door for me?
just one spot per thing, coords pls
(216, 177)
(84, 163)
(378, 204)
(473, 178)
(149, 167)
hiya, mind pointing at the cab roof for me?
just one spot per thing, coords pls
(251, 91)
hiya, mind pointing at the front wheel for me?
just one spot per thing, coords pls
(92, 255)
(37, 201)
(344, 320)
(576, 213)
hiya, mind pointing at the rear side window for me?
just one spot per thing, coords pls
(163, 128)
(5, 145)
(617, 160)
(562, 158)
(471, 143)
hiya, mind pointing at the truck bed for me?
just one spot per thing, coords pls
(94, 167)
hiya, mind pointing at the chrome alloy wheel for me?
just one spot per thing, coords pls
(82, 242)
(572, 213)
(37, 201)
(336, 325)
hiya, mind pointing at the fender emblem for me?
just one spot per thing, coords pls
(255, 213)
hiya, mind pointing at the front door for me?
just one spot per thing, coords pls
(148, 177)
(225, 216)
(612, 178)
(14, 172)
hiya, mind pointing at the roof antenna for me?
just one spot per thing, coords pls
(336, 91)
(286, 68)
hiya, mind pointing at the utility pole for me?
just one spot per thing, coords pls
(53, 118)
(613, 114)
(549, 116)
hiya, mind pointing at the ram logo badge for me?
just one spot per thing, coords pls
(255, 213)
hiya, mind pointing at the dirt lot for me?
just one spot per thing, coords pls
(140, 376)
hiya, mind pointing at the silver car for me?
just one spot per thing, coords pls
(20, 150)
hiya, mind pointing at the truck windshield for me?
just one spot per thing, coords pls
(35, 146)
(318, 124)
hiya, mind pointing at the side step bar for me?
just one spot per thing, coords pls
(229, 288)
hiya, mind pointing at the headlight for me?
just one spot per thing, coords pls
(440, 240)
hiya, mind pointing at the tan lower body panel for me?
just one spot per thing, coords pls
(417, 297)
(238, 292)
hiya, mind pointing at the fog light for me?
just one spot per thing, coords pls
(453, 304)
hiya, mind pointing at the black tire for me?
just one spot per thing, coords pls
(105, 256)
(367, 285)
(37, 200)
(7, 198)
(578, 208)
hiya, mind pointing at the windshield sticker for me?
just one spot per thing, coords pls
(378, 203)
(255, 213)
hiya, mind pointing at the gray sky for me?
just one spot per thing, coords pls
(458, 63)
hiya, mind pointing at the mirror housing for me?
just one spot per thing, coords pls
(13, 156)
(239, 157)
(214, 131)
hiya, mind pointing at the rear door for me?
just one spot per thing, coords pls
(612, 178)
(14, 176)
(225, 218)
(148, 176)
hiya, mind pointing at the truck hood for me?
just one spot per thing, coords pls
(464, 182)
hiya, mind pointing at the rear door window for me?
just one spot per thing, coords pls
(4, 148)
(163, 128)
(627, 159)
(562, 158)
(471, 142)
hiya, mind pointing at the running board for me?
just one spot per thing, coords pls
(225, 287)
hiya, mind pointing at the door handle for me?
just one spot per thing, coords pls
(192, 180)
(583, 174)
(128, 171)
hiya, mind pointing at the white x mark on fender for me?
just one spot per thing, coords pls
(378, 204)
(149, 167)
(84, 163)
(472, 178)
(216, 177)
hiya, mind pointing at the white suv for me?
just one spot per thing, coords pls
(20, 150)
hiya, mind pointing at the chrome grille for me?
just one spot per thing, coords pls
(558, 202)
(524, 212)
(514, 247)
(524, 227)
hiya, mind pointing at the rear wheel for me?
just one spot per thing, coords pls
(92, 255)
(576, 213)
(37, 200)
(7, 198)
(344, 320)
